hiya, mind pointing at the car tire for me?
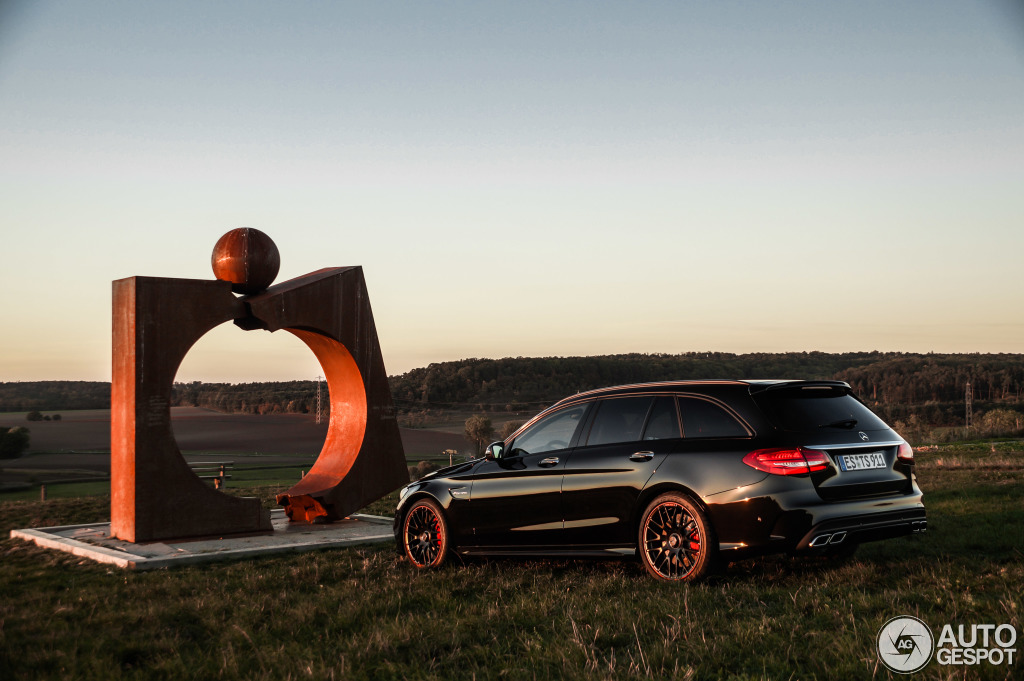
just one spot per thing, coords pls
(675, 540)
(425, 535)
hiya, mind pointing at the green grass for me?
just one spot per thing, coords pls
(281, 477)
(63, 490)
(241, 477)
(363, 613)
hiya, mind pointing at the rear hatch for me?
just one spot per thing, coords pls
(827, 417)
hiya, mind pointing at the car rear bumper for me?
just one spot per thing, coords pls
(791, 520)
(864, 528)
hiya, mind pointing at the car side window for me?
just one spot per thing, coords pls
(663, 423)
(619, 420)
(702, 418)
(552, 432)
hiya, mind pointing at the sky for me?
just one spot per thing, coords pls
(521, 179)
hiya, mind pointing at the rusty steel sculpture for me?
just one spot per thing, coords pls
(154, 493)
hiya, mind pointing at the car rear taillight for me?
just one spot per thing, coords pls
(905, 453)
(787, 461)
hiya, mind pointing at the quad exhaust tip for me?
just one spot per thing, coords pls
(826, 539)
(916, 526)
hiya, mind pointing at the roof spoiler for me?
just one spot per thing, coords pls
(786, 385)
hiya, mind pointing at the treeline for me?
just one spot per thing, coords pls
(884, 377)
(902, 387)
(54, 395)
(512, 384)
(247, 398)
(286, 397)
(917, 379)
(928, 387)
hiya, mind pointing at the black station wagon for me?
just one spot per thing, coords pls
(687, 475)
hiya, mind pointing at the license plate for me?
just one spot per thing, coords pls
(862, 462)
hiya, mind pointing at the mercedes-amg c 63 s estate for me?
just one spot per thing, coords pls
(686, 475)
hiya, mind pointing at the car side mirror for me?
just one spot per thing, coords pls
(494, 451)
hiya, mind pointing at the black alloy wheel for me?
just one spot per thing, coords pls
(675, 539)
(426, 535)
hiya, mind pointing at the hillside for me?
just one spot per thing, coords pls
(924, 388)
(510, 383)
(886, 378)
(54, 395)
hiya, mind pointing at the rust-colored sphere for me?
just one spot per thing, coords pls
(248, 258)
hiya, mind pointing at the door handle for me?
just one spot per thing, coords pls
(548, 462)
(641, 456)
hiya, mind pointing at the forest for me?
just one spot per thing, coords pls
(890, 379)
(54, 395)
(916, 390)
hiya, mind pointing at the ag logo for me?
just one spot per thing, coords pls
(905, 644)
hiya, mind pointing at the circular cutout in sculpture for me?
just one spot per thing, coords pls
(248, 258)
(283, 426)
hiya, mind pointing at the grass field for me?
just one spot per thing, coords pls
(362, 613)
(202, 430)
(242, 478)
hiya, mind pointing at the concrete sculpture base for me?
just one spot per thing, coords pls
(93, 541)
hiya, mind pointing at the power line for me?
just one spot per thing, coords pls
(968, 404)
(318, 412)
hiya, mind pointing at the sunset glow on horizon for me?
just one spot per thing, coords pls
(531, 179)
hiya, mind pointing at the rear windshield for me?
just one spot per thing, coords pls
(817, 408)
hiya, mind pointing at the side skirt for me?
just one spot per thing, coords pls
(549, 552)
